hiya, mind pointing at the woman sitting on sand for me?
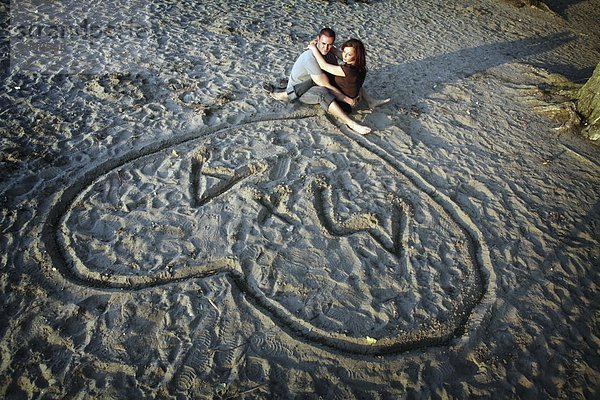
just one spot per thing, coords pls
(349, 76)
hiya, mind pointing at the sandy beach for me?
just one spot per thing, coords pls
(171, 231)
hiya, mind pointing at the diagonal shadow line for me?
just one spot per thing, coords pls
(453, 66)
(424, 76)
(561, 6)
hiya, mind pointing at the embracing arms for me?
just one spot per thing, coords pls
(325, 66)
(323, 80)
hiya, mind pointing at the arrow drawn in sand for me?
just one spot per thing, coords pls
(228, 178)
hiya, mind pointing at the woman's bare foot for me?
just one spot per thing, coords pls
(280, 96)
(372, 103)
(358, 128)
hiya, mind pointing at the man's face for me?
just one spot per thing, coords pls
(324, 44)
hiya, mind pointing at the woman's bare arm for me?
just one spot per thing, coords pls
(325, 66)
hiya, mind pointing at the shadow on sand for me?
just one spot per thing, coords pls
(422, 76)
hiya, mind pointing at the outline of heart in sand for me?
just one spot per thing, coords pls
(461, 328)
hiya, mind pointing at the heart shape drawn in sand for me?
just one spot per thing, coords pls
(335, 239)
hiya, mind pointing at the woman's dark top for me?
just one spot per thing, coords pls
(351, 83)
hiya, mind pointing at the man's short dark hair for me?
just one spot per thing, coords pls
(327, 32)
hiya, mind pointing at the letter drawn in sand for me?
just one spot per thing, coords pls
(393, 243)
(275, 204)
(228, 178)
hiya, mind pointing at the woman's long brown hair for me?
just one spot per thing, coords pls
(361, 54)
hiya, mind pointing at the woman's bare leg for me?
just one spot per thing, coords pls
(335, 110)
(372, 102)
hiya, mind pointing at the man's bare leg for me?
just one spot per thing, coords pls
(372, 102)
(335, 110)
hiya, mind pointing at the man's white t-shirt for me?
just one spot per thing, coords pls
(305, 66)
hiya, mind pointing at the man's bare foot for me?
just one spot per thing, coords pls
(376, 102)
(280, 96)
(358, 128)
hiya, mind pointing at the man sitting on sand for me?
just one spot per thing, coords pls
(309, 84)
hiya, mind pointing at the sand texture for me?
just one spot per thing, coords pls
(170, 231)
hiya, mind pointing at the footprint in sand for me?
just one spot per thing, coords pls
(337, 241)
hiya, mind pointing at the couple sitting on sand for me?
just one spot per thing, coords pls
(316, 78)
